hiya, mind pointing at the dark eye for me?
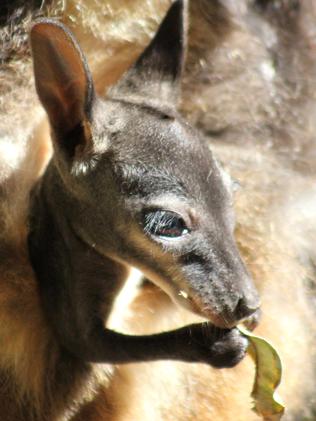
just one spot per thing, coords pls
(164, 224)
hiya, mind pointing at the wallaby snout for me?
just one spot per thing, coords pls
(225, 300)
(245, 302)
(246, 308)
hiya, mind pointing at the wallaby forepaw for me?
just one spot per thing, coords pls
(229, 349)
(215, 346)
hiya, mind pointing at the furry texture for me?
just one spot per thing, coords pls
(250, 85)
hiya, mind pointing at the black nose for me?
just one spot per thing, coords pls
(246, 307)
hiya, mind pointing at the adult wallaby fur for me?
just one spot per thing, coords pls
(259, 111)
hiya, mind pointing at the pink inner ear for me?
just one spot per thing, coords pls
(61, 74)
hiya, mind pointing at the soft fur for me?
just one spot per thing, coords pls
(251, 88)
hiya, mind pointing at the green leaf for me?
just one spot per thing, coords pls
(268, 377)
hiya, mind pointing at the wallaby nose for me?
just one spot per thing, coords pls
(246, 306)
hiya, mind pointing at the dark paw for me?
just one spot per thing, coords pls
(229, 349)
(217, 347)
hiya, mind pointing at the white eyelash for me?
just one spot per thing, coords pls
(155, 220)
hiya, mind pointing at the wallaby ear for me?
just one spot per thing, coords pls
(157, 72)
(62, 78)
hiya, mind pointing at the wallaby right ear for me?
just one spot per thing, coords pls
(157, 72)
(62, 77)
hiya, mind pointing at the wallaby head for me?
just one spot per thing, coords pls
(135, 181)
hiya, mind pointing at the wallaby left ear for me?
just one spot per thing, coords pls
(157, 72)
(62, 78)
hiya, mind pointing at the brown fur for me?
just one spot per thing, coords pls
(252, 89)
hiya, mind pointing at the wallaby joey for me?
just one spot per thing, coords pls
(131, 183)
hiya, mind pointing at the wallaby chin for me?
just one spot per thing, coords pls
(243, 86)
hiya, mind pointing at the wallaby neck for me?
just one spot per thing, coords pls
(75, 281)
